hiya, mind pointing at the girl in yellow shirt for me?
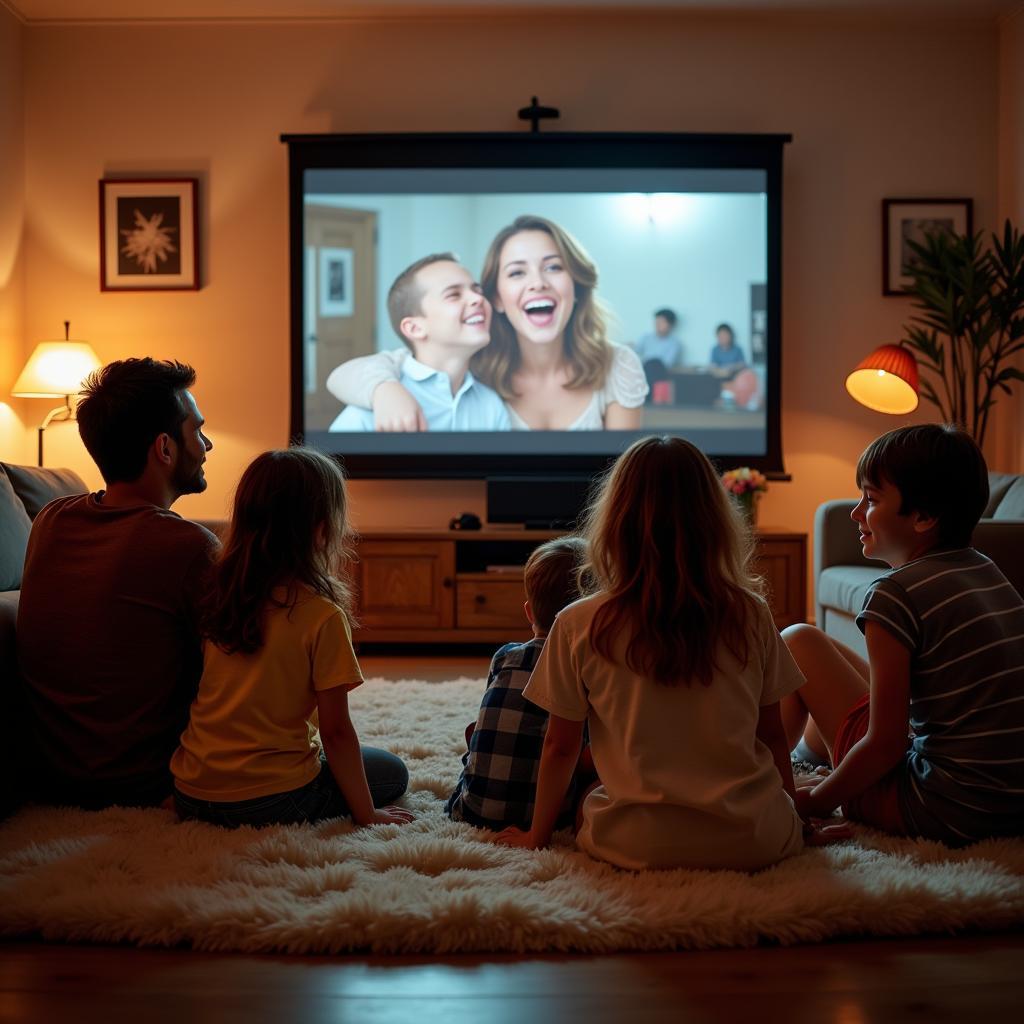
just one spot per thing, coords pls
(278, 655)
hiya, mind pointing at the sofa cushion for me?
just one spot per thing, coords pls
(844, 586)
(15, 527)
(1012, 504)
(36, 487)
(842, 626)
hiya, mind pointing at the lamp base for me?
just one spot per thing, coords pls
(62, 413)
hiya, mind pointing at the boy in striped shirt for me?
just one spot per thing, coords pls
(927, 736)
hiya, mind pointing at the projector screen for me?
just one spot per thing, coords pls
(539, 316)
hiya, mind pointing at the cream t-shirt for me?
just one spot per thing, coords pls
(250, 730)
(684, 780)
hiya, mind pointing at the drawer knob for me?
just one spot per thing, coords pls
(447, 583)
(480, 599)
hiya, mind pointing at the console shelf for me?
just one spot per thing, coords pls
(441, 586)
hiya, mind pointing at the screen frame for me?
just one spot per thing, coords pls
(487, 150)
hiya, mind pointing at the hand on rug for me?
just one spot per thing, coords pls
(808, 780)
(826, 832)
(391, 816)
(513, 836)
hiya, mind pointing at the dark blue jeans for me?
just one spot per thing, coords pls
(385, 772)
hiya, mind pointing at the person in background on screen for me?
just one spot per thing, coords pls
(662, 344)
(726, 357)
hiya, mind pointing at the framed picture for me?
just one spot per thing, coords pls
(336, 282)
(912, 220)
(149, 234)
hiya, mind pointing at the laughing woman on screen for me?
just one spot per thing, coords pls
(549, 357)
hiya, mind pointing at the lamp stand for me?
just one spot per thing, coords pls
(61, 414)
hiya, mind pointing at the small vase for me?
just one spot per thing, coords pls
(747, 503)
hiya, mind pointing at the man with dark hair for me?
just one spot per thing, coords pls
(108, 641)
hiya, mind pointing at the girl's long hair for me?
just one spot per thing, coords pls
(585, 344)
(671, 553)
(283, 500)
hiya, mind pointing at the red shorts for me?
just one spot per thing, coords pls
(879, 804)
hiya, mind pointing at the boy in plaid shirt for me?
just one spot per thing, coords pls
(499, 774)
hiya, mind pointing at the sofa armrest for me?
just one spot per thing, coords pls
(15, 759)
(8, 651)
(1003, 541)
(835, 536)
(835, 542)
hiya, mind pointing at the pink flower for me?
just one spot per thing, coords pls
(744, 480)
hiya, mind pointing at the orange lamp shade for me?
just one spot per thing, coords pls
(886, 381)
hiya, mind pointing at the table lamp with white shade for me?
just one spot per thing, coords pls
(56, 369)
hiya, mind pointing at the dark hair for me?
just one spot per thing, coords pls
(667, 314)
(405, 296)
(283, 498)
(551, 577)
(729, 331)
(125, 407)
(938, 470)
(668, 549)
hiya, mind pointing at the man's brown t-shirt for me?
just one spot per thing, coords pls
(108, 642)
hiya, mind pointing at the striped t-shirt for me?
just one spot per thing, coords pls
(964, 625)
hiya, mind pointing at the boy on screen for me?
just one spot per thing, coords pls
(440, 313)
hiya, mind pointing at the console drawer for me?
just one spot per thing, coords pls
(484, 602)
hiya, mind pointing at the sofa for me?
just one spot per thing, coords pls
(24, 490)
(842, 574)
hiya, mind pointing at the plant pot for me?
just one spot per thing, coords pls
(747, 504)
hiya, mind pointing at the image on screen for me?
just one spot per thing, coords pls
(644, 288)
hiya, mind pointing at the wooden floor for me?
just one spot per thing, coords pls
(971, 978)
(932, 981)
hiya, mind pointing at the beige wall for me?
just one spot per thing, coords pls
(13, 439)
(900, 108)
(1008, 420)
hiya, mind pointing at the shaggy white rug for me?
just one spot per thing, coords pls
(440, 887)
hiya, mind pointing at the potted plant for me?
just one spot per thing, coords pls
(970, 322)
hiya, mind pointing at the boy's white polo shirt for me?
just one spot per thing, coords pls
(473, 407)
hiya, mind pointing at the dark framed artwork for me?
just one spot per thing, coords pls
(336, 282)
(912, 220)
(149, 234)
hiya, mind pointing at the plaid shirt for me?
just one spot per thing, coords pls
(499, 774)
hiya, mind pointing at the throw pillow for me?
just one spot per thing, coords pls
(15, 527)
